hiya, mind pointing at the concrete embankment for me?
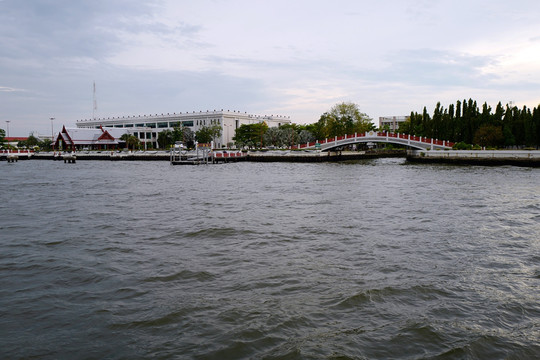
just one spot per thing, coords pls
(112, 156)
(255, 156)
(530, 158)
(314, 156)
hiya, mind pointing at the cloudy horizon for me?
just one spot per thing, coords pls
(287, 58)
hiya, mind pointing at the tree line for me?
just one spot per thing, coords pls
(183, 134)
(343, 118)
(505, 126)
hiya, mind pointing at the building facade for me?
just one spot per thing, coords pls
(391, 122)
(147, 127)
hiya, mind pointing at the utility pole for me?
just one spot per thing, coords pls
(52, 128)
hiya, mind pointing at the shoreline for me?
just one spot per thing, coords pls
(255, 156)
(523, 158)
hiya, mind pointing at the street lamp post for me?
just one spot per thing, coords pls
(52, 133)
(52, 129)
(7, 123)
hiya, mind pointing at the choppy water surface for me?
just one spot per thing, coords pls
(375, 259)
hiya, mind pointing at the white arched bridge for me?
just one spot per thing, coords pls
(417, 142)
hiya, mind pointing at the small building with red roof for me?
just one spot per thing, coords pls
(84, 138)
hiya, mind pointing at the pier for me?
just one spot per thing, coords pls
(69, 158)
(15, 155)
(181, 156)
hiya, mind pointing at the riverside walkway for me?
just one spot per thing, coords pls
(416, 142)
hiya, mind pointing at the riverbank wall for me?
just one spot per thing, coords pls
(254, 156)
(111, 156)
(529, 158)
(318, 156)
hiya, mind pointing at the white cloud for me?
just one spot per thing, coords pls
(9, 89)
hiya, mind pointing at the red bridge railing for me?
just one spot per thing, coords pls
(377, 135)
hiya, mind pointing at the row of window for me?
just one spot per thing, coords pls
(144, 135)
(171, 124)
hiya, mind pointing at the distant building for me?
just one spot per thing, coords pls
(392, 122)
(14, 140)
(150, 125)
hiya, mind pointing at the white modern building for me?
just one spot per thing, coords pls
(392, 122)
(146, 127)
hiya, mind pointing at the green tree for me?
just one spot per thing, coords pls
(317, 129)
(207, 134)
(343, 118)
(437, 121)
(305, 136)
(272, 137)
(467, 123)
(46, 144)
(32, 141)
(250, 135)
(288, 136)
(489, 135)
(178, 134)
(188, 137)
(132, 142)
(165, 139)
(185, 135)
(2, 136)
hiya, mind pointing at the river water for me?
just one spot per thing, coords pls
(375, 259)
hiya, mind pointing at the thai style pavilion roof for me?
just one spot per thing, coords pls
(84, 136)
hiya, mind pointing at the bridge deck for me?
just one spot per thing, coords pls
(372, 136)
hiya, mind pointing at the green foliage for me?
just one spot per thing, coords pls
(46, 145)
(250, 135)
(272, 137)
(183, 134)
(341, 119)
(207, 134)
(132, 142)
(305, 136)
(466, 122)
(461, 146)
(165, 139)
(489, 135)
(32, 141)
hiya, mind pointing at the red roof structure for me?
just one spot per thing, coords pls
(79, 138)
(15, 138)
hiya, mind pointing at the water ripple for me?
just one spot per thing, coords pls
(370, 259)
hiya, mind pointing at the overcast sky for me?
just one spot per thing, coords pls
(275, 57)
